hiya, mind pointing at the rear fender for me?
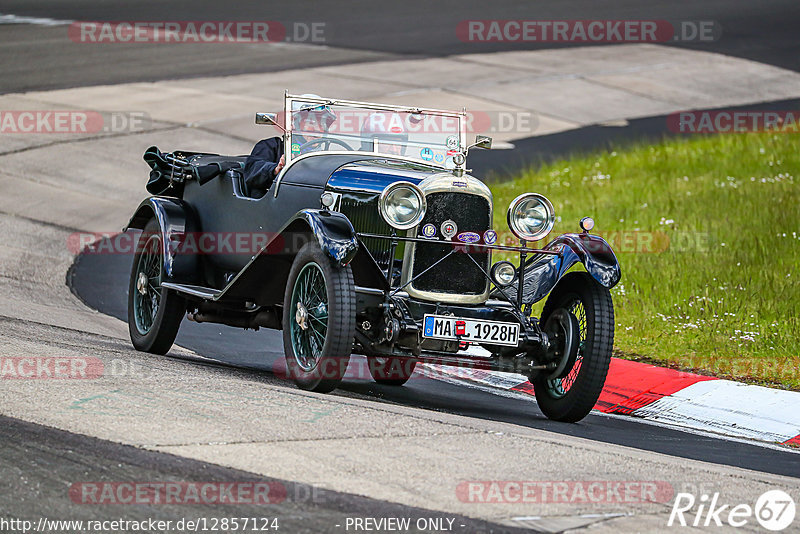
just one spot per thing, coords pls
(175, 219)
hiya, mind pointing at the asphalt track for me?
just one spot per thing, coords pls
(101, 281)
(38, 463)
(360, 30)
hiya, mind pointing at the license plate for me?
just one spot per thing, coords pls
(475, 330)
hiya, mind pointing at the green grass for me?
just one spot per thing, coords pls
(707, 232)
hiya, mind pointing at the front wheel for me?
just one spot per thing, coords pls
(568, 394)
(319, 310)
(154, 312)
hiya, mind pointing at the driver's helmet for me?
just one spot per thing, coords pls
(384, 132)
(314, 117)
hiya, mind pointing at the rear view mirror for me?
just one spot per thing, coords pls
(267, 118)
(483, 141)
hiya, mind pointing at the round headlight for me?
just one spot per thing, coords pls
(402, 205)
(530, 216)
(503, 273)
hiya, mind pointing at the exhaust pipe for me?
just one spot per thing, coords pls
(268, 318)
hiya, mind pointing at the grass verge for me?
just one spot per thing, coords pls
(707, 231)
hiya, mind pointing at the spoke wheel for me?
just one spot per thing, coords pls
(318, 320)
(310, 306)
(572, 338)
(154, 313)
(572, 393)
(147, 297)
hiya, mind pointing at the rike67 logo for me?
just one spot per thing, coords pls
(774, 510)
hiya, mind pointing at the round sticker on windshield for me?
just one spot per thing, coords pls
(426, 154)
(439, 157)
(451, 142)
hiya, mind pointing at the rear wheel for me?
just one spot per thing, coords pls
(318, 320)
(154, 312)
(390, 371)
(568, 394)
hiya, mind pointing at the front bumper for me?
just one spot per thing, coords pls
(530, 354)
(530, 336)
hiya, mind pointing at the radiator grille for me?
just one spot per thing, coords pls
(366, 219)
(457, 274)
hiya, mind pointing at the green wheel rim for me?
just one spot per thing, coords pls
(559, 387)
(309, 316)
(147, 290)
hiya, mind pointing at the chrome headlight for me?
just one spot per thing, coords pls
(402, 205)
(531, 216)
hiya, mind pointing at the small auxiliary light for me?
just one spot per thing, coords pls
(503, 273)
(587, 223)
(327, 199)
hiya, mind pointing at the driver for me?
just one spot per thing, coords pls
(267, 158)
(384, 133)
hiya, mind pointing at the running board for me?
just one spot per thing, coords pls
(194, 291)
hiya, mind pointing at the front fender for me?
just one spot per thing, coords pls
(593, 251)
(333, 231)
(175, 219)
(264, 278)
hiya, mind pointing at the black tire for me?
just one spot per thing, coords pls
(155, 316)
(317, 360)
(391, 371)
(571, 398)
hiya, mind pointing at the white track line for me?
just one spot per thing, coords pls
(699, 432)
(705, 432)
(38, 21)
(725, 406)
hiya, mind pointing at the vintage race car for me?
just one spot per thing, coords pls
(372, 239)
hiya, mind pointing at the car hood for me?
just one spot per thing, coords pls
(374, 175)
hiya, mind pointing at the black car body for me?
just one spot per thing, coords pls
(387, 255)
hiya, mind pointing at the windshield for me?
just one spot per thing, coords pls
(431, 137)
